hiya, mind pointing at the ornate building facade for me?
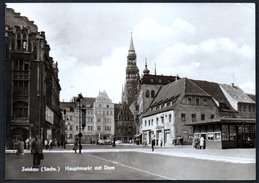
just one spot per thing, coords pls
(125, 128)
(32, 83)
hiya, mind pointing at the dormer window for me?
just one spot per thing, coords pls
(189, 100)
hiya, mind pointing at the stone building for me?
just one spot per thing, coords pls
(187, 108)
(130, 90)
(125, 128)
(32, 83)
(104, 117)
(149, 85)
(93, 117)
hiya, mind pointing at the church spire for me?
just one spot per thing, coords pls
(131, 44)
(146, 71)
(155, 68)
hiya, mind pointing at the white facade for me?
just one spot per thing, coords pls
(160, 126)
(104, 116)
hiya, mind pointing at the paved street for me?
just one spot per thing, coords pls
(135, 163)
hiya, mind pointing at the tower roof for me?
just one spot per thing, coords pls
(131, 44)
(146, 71)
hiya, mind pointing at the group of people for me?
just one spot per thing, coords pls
(36, 147)
(198, 142)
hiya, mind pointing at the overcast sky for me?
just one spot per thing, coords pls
(90, 42)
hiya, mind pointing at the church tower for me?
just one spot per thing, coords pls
(132, 76)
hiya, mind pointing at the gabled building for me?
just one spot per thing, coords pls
(148, 88)
(187, 108)
(125, 128)
(68, 113)
(104, 117)
(32, 82)
(93, 117)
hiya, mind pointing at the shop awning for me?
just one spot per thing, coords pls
(224, 121)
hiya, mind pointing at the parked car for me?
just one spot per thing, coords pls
(118, 142)
(101, 142)
(107, 141)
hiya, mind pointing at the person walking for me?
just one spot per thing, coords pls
(153, 142)
(36, 150)
(75, 146)
(202, 142)
(46, 143)
(20, 148)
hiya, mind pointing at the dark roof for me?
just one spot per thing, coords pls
(173, 93)
(157, 79)
(215, 91)
(121, 108)
(252, 96)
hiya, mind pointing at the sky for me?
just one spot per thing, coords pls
(90, 41)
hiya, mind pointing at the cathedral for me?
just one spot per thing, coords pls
(130, 90)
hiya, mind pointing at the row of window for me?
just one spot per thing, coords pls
(197, 101)
(150, 93)
(151, 122)
(194, 117)
(89, 128)
(104, 112)
(249, 108)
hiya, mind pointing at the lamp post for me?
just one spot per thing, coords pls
(163, 130)
(80, 96)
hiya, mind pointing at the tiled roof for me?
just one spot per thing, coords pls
(252, 96)
(215, 91)
(236, 93)
(157, 79)
(173, 92)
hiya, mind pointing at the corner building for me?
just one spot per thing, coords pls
(32, 83)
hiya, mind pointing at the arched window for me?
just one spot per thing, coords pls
(24, 42)
(35, 50)
(19, 39)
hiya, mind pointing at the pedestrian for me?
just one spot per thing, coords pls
(20, 148)
(27, 142)
(153, 143)
(161, 142)
(36, 150)
(46, 144)
(64, 145)
(202, 142)
(194, 142)
(174, 141)
(75, 147)
(50, 145)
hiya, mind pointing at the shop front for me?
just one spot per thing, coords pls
(227, 133)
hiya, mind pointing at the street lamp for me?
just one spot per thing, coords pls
(80, 96)
(163, 129)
